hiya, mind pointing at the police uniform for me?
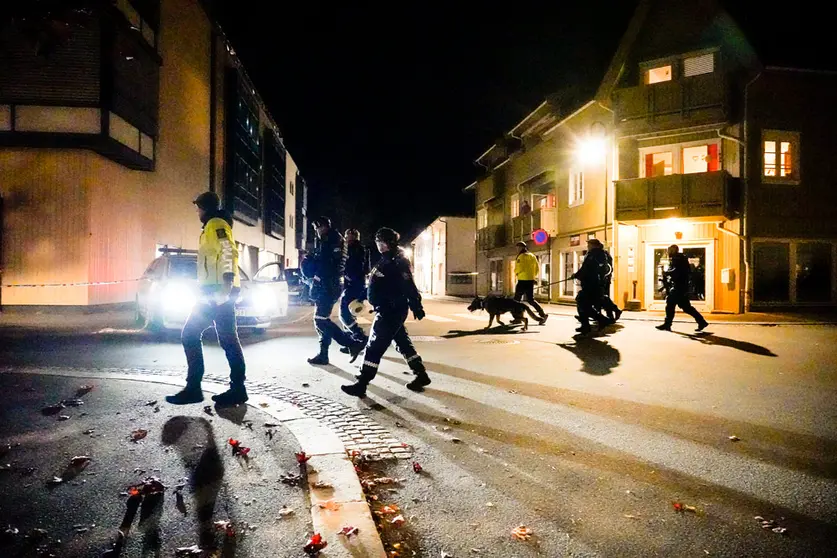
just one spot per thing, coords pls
(590, 275)
(354, 287)
(217, 270)
(613, 311)
(677, 281)
(328, 263)
(392, 293)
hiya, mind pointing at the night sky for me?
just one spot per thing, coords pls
(385, 111)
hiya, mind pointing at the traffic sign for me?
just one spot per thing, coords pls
(540, 237)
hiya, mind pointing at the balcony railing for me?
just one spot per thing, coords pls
(522, 226)
(678, 195)
(687, 101)
(491, 237)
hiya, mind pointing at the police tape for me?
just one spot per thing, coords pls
(84, 284)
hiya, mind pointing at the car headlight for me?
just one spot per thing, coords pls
(178, 298)
(263, 299)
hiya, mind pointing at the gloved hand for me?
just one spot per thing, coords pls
(418, 313)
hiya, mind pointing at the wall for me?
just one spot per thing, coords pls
(290, 251)
(461, 253)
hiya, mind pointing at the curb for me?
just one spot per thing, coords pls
(329, 463)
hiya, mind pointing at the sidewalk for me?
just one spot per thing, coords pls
(813, 317)
(66, 473)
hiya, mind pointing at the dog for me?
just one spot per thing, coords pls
(496, 306)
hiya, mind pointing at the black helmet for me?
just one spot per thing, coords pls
(387, 236)
(322, 221)
(208, 201)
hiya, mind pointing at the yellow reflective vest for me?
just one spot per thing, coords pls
(526, 267)
(217, 254)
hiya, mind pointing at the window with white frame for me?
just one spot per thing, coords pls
(576, 187)
(515, 205)
(482, 218)
(658, 74)
(697, 65)
(681, 158)
(780, 160)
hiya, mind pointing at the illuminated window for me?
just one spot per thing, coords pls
(659, 164)
(515, 205)
(659, 74)
(700, 158)
(781, 156)
(576, 188)
(482, 218)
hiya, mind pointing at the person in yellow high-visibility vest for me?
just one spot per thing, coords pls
(526, 272)
(220, 285)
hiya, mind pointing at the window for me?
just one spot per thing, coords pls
(542, 285)
(576, 187)
(543, 201)
(700, 158)
(659, 74)
(495, 275)
(697, 65)
(771, 265)
(659, 164)
(515, 205)
(781, 156)
(292, 186)
(482, 218)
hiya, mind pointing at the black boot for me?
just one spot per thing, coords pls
(543, 319)
(419, 382)
(233, 396)
(355, 349)
(702, 325)
(320, 359)
(664, 327)
(187, 395)
(356, 390)
(345, 350)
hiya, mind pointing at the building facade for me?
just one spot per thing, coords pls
(691, 139)
(111, 121)
(443, 257)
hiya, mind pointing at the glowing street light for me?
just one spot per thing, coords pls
(591, 150)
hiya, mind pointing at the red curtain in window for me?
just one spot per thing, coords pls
(712, 157)
(649, 166)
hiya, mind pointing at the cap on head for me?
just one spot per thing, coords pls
(208, 201)
(387, 236)
(322, 221)
(521, 244)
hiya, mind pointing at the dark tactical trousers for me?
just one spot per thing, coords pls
(346, 317)
(526, 289)
(388, 327)
(587, 303)
(681, 299)
(222, 317)
(325, 327)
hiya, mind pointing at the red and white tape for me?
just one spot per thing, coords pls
(85, 284)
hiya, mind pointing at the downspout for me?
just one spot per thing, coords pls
(213, 106)
(745, 210)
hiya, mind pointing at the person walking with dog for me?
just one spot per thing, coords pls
(676, 279)
(591, 274)
(354, 284)
(327, 266)
(526, 271)
(392, 293)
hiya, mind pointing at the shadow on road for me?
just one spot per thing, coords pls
(496, 330)
(708, 338)
(598, 358)
(194, 440)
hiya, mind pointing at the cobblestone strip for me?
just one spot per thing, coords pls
(357, 431)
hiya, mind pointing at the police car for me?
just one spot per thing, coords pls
(169, 289)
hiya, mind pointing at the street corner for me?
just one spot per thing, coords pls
(104, 467)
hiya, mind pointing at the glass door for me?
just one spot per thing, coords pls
(701, 275)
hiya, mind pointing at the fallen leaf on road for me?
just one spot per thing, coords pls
(55, 480)
(631, 516)
(512, 391)
(770, 524)
(208, 410)
(179, 502)
(347, 531)
(193, 550)
(238, 449)
(264, 405)
(489, 504)
(416, 467)
(285, 511)
(290, 479)
(329, 505)
(6, 467)
(151, 485)
(453, 421)
(271, 424)
(398, 425)
(151, 403)
(398, 520)
(388, 510)
(248, 424)
(72, 402)
(456, 440)
(682, 508)
(321, 484)
(138, 434)
(734, 438)
(306, 385)
(63, 418)
(314, 545)
(446, 554)
(225, 526)
(301, 457)
(80, 461)
(522, 533)
(84, 390)
(52, 409)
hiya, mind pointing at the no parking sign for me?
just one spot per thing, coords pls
(540, 237)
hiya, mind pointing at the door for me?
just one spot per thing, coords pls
(271, 289)
(701, 278)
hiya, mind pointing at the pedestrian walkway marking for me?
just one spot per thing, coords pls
(475, 317)
(441, 319)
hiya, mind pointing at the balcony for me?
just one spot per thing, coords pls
(679, 103)
(491, 237)
(522, 227)
(678, 195)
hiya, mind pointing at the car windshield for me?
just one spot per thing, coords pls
(183, 267)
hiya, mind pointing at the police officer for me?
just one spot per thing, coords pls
(392, 292)
(354, 284)
(220, 285)
(526, 271)
(676, 281)
(327, 265)
(591, 276)
(613, 312)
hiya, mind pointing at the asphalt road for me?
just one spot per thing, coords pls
(587, 442)
(183, 446)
